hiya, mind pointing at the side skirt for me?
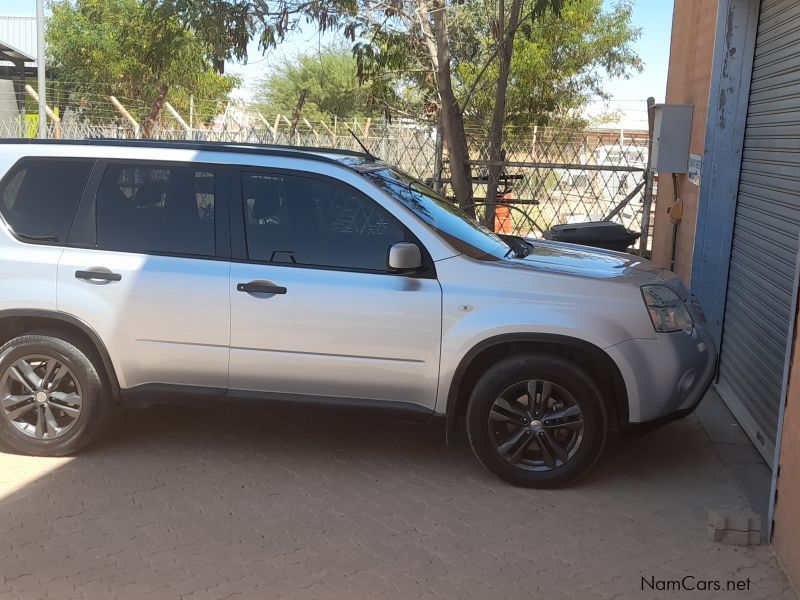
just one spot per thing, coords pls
(150, 394)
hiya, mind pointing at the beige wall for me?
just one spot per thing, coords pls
(786, 537)
(690, 61)
(787, 524)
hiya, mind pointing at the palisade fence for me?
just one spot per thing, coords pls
(550, 177)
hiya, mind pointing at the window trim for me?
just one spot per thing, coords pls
(88, 207)
(84, 216)
(66, 242)
(238, 216)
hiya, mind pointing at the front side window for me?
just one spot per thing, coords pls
(299, 220)
(449, 221)
(159, 209)
(39, 196)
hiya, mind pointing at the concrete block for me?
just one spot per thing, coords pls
(740, 529)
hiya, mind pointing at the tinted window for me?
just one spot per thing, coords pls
(156, 209)
(40, 196)
(299, 220)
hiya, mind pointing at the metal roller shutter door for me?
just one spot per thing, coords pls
(758, 308)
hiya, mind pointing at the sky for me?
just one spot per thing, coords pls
(654, 17)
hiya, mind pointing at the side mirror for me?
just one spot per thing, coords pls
(404, 257)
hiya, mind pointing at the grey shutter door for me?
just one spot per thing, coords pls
(758, 308)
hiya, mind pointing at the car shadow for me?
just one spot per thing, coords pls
(306, 435)
(326, 434)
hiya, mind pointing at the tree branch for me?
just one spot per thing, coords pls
(511, 32)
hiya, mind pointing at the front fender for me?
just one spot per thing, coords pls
(465, 329)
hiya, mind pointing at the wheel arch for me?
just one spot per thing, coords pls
(598, 363)
(17, 322)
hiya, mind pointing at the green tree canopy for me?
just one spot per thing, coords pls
(560, 63)
(127, 48)
(421, 44)
(330, 82)
(488, 64)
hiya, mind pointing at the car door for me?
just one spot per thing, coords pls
(314, 312)
(148, 272)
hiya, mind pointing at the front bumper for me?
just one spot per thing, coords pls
(666, 377)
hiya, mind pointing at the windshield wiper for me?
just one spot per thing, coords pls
(517, 245)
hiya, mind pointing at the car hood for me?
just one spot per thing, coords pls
(586, 261)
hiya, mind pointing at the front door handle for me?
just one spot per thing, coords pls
(98, 275)
(260, 288)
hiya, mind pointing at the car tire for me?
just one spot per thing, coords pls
(53, 401)
(536, 420)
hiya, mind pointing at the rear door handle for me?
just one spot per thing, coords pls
(98, 275)
(260, 288)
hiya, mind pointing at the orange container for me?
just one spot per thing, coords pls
(503, 221)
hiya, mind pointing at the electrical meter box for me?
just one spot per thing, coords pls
(672, 130)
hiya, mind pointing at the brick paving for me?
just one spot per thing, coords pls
(249, 503)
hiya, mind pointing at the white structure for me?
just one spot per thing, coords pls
(17, 43)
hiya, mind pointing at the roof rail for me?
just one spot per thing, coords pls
(306, 152)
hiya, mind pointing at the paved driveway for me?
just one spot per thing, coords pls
(197, 503)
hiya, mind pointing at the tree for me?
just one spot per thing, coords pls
(228, 26)
(560, 64)
(388, 27)
(331, 84)
(128, 49)
(463, 50)
(545, 67)
(505, 49)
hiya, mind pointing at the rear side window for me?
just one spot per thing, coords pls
(39, 196)
(159, 209)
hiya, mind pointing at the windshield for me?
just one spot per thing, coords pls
(461, 231)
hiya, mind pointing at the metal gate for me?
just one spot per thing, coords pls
(759, 305)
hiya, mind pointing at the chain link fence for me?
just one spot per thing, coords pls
(550, 177)
(563, 177)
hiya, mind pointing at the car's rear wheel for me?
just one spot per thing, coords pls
(536, 420)
(52, 398)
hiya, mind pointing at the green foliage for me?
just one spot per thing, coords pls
(227, 26)
(398, 59)
(128, 49)
(560, 63)
(562, 59)
(564, 51)
(331, 84)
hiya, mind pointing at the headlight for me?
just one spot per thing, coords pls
(667, 310)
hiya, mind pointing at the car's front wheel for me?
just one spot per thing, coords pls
(52, 398)
(536, 420)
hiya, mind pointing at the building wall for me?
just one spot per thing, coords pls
(688, 82)
(787, 531)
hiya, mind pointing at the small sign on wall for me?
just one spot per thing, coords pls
(695, 166)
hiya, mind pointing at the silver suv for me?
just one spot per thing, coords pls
(138, 271)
